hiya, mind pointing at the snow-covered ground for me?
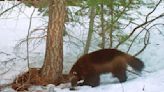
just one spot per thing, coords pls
(150, 82)
(15, 28)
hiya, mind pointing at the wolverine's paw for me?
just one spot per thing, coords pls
(72, 88)
(80, 84)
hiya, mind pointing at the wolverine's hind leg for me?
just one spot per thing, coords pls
(120, 72)
(121, 76)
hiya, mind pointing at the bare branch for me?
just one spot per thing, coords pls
(146, 42)
(1, 52)
(146, 39)
(153, 10)
(143, 24)
(133, 41)
(143, 28)
(28, 37)
(139, 26)
(155, 25)
(10, 8)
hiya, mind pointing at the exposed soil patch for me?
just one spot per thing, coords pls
(32, 77)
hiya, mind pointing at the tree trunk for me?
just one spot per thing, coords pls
(53, 63)
(112, 25)
(90, 32)
(102, 27)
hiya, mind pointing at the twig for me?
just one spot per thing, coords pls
(144, 28)
(143, 24)
(147, 38)
(9, 9)
(133, 41)
(28, 38)
(134, 72)
(139, 26)
(146, 42)
(1, 52)
(153, 10)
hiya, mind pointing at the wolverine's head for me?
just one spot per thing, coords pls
(73, 78)
(75, 75)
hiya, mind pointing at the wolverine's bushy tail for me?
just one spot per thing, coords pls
(136, 64)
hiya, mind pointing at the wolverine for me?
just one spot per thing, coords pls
(90, 66)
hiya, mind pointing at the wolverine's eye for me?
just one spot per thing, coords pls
(74, 73)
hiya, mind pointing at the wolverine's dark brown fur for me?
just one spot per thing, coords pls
(90, 66)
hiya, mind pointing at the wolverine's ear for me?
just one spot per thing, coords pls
(74, 73)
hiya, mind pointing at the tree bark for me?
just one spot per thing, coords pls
(90, 31)
(112, 25)
(53, 63)
(102, 26)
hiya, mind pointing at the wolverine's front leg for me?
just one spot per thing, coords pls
(92, 80)
(74, 81)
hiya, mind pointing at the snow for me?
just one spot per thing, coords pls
(14, 29)
(151, 82)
